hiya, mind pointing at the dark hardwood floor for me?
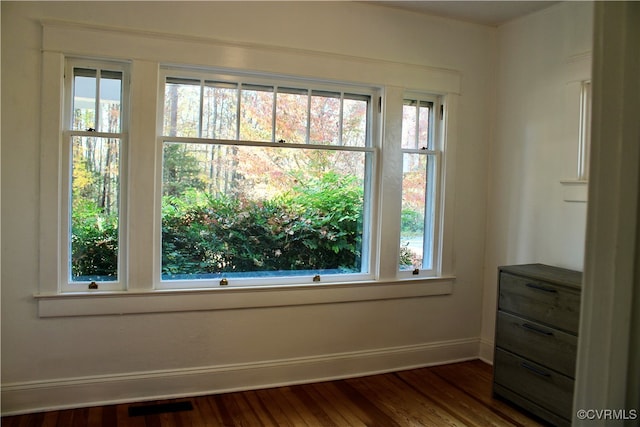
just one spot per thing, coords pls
(449, 395)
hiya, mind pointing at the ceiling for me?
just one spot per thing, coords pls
(492, 13)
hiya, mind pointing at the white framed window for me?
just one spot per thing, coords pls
(584, 138)
(137, 286)
(261, 180)
(94, 144)
(575, 188)
(264, 181)
(421, 148)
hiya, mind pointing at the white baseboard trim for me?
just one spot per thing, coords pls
(486, 351)
(37, 396)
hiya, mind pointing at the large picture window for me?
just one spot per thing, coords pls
(263, 180)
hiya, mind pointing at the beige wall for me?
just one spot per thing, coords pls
(71, 361)
(541, 60)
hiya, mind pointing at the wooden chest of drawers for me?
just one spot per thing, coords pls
(536, 338)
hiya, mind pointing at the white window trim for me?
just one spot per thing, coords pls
(578, 75)
(146, 52)
(576, 190)
(127, 302)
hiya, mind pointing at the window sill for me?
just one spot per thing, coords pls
(574, 190)
(136, 302)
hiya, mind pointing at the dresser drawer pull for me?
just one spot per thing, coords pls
(535, 370)
(536, 330)
(541, 288)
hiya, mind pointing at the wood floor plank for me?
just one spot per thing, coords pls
(372, 408)
(315, 409)
(458, 394)
(225, 415)
(273, 403)
(154, 420)
(297, 415)
(124, 420)
(248, 410)
(453, 399)
(185, 418)
(203, 413)
(65, 418)
(405, 404)
(109, 415)
(476, 380)
(260, 409)
(337, 409)
(309, 410)
(337, 417)
(352, 412)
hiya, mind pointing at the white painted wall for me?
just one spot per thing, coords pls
(541, 60)
(81, 360)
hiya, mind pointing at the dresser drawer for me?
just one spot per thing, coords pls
(540, 301)
(536, 383)
(539, 343)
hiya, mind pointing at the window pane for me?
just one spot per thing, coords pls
(181, 107)
(425, 116)
(416, 234)
(584, 138)
(260, 211)
(110, 101)
(325, 118)
(84, 99)
(409, 119)
(291, 115)
(354, 122)
(256, 113)
(220, 111)
(95, 191)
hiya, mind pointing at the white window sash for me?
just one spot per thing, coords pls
(433, 226)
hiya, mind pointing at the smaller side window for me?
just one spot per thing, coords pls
(584, 142)
(94, 140)
(421, 156)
